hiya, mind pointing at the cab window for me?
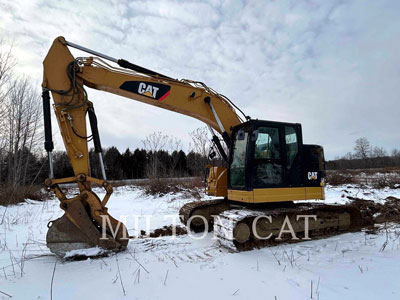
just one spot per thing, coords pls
(267, 158)
(267, 143)
(292, 147)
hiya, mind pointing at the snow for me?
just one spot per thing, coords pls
(88, 252)
(338, 194)
(349, 266)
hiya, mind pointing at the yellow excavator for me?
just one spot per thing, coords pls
(266, 165)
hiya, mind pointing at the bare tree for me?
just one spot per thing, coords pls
(396, 156)
(201, 141)
(396, 153)
(362, 148)
(174, 145)
(7, 63)
(201, 146)
(22, 124)
(349, 156)
(378, 152)
(154, 143)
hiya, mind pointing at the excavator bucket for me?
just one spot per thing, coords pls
(85, 224)
(64, 236)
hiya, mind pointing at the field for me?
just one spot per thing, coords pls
(362, 265)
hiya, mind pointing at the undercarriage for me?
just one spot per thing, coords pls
(244, 228)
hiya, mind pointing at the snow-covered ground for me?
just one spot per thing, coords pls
(349, 266)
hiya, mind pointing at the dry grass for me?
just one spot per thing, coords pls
(339, 178)
(12, 195)
(376, 178)
(163, 186)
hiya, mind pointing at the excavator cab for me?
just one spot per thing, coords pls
(269, 163)
(269, 168)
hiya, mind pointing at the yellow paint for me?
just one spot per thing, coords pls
(217, 181)
(315, 193)
(277, 194)
(241, 196)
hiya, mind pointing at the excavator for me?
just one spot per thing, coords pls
(265, 181)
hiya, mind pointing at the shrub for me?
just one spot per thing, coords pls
(13, 195)
(338, 178)
(163, 186)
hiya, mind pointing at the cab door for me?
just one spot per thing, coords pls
(293, 152)
(267, 159)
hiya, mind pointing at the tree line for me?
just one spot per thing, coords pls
(155, 160)
(131, 164)
(134, 164)
(365, 156)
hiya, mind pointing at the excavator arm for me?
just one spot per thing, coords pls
(86, 222)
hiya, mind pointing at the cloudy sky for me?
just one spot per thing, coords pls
(333, 66)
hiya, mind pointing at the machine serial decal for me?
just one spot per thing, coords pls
(153, 90)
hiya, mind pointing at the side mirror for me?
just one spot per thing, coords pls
(240, 135)
(212, 154)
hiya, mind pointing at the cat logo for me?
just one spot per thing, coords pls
(152, 90)
(312, 175)
(149, 91)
